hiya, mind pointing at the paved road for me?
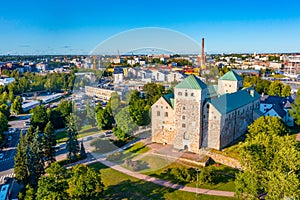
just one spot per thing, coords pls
(7, 162)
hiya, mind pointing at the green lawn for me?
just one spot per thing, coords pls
(135, 150)
(138, 149)
(158, 167)
(85, 131)
(122, 186)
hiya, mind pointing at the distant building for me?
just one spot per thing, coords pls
(101, 93)
(6, 81)
(198, 116)
(118, 75)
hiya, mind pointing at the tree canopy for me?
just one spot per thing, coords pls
(270, 161)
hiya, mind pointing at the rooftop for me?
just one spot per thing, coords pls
(170, 99)
(229, 102)
(191, 82)
(231, 76)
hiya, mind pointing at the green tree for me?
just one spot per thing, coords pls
(21, 169)
(298, 92)
(30, 193)
(139, 112)
(83, 154)
(153, 92)
(16, 106)
(39, 117)
(3, 97)
(286, 91)
(115, 103)
(54, 185)
(275, 88)
(268, 125)
(90, 114)
(125, 125)
(11, 96)
(295, 111)
(3, 123)
(5, 110)
(206, 176)
(56, 118)
(85, 183)
(65, 108)
(35, 163)
(49, 142)
(269, 160)
(72, 142)
(104, 118)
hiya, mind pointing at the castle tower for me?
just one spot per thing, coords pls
(229, 83)
(190, 95)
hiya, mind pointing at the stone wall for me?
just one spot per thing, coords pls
(223, 159)
(162, 122)
(214, 125)
(188, 112)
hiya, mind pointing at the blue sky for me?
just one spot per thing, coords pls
(75, 27)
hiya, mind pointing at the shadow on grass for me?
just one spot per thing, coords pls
(135, 190)
(103, 146)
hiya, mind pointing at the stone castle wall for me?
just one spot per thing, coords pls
(162, 119)
(188, 112)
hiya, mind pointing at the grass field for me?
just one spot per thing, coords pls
(122, 186)
(158, 167)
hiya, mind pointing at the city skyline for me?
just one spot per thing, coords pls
(59, 27)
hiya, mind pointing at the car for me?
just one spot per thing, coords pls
(1, 155)
(108, 133)
(9, 138)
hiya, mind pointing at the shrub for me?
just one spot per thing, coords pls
(115, 156)
(135, 165)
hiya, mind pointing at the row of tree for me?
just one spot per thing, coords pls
(273, 88)
(81, 182)
(30, 82)
(125, 117)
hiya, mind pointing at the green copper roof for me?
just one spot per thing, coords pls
(231, 76)
(170, 99)
(229, 102)
(191, 82)
(212, 91)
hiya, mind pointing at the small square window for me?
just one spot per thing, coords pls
(183, 125)
(158, 113)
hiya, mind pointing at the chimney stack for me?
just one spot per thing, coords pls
(202, 54)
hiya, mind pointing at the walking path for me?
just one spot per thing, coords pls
(164, 182)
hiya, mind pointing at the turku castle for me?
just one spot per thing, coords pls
(197, 115)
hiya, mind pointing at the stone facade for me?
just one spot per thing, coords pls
(197, 120)
(188, 112)
(162, 122)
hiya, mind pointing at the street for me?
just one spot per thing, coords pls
(9, 150)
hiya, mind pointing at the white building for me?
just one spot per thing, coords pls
(6, 81)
